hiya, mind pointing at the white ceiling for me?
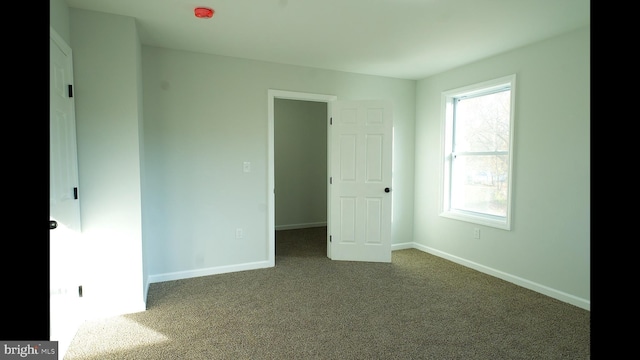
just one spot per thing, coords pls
(409, 39)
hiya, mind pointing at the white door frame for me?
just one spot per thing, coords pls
(273, 94)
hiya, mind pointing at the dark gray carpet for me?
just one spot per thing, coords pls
(309, 307)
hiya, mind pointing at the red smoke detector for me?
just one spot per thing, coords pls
(202, 12)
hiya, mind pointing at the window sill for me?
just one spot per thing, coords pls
(495, 222)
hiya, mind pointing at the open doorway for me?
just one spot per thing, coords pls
(300, 159)
(294, 213)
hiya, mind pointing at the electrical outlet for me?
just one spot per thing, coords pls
(239, 233)
(246, 166)
(476, 233)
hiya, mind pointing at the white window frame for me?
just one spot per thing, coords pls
(447, 150)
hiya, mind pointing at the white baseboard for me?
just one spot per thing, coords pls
(402, 246)
(178, 275)
(300, 226)
(556, 294)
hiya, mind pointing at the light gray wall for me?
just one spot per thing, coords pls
(106, 59)
(204, 116)
(548, 248)
(300, 150)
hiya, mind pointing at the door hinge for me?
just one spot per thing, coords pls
(75, 193)
(330, 238)
(80, 291)
(70, 90)
(330, 121)
(330, 180)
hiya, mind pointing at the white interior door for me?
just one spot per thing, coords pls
(64, 207)
(360, 180)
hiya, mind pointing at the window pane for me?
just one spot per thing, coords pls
(482, 122)
(477, 146)
(480, 184)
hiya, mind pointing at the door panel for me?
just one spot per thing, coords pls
(63, 170)
(64, 208)
(360, 163)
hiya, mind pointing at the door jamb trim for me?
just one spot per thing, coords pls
(273, 94)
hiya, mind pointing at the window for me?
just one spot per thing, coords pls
(478, 146)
